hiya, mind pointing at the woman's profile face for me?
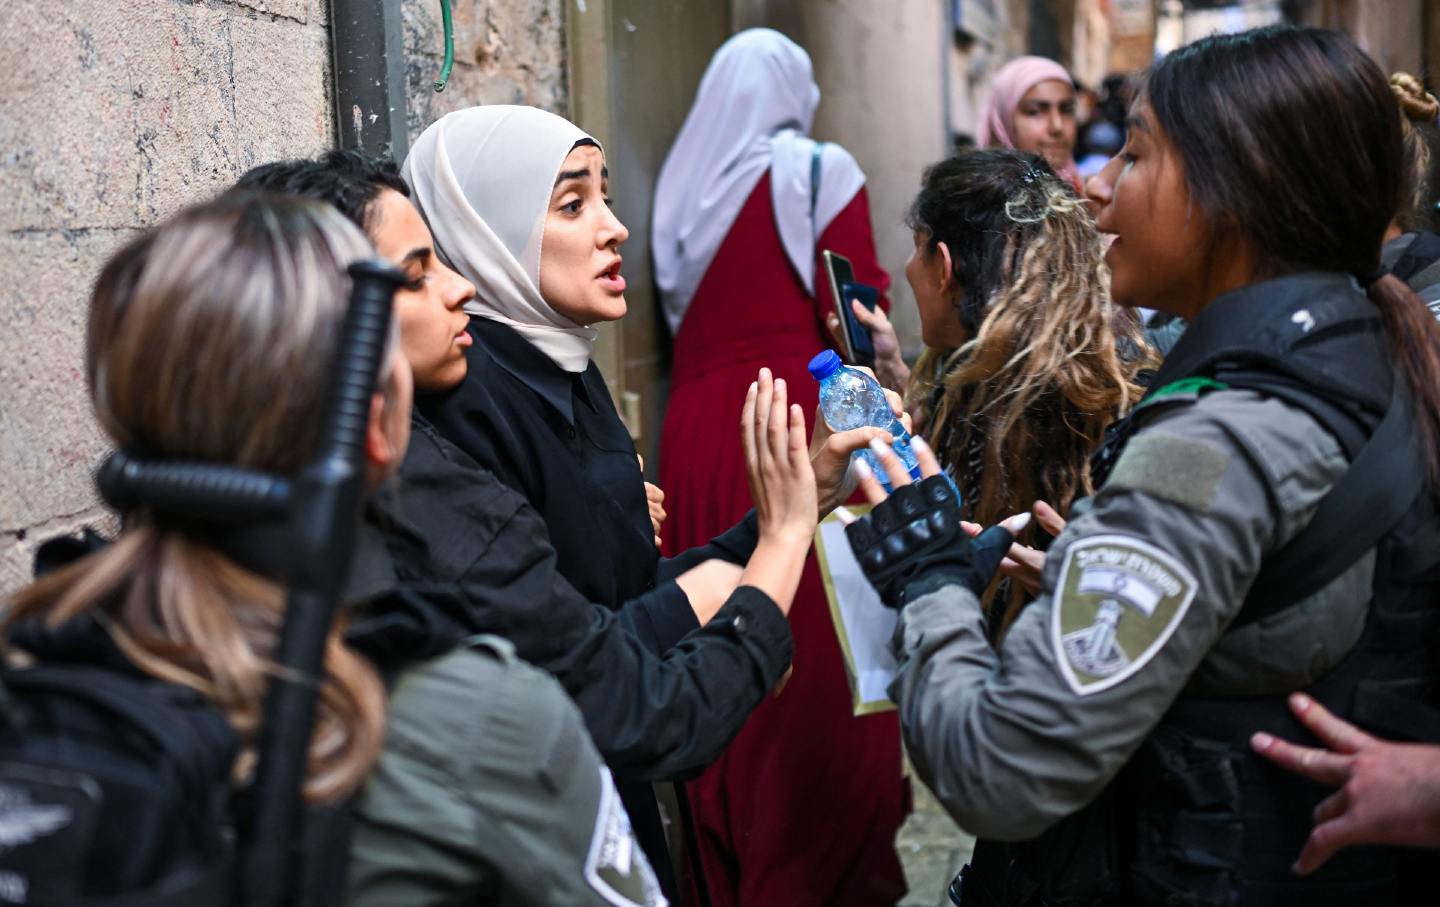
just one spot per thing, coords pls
(428, 307)
(580, 252)
(927, 272)
(1044, 122)
(1158, 257)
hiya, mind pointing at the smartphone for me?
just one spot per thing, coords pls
(855, 338)
(855, 332)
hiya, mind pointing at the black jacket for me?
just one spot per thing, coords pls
(468, 555)
(449, 551)
(555, 437)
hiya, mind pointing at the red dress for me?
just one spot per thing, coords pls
(803, 807)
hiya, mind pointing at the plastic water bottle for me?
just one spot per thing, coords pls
(849, 398)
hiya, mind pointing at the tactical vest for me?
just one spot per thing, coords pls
(1196, 819)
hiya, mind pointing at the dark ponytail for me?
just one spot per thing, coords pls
(1291, 141)
(1413, 335)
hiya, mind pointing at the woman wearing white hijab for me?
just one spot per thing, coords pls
(803, 807)
(514, 197)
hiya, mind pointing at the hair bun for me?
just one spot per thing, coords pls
(1419, 105)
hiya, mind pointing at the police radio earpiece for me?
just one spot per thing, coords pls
(302, 528)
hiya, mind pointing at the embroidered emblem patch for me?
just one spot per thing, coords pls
(616, 867)
(1117, 601)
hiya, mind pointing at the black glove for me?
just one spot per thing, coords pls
(912, 544)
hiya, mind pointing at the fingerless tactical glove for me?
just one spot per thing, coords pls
(912, 544)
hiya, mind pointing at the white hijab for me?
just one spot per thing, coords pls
(755, 105)
(482, 178)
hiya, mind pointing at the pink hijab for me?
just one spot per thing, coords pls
(1010, 85)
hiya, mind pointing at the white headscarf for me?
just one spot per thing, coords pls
(755, 105)
(482, 177)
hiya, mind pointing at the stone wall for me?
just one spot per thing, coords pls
(114, 114)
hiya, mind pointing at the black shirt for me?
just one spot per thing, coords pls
(555, 437)
(449, 551)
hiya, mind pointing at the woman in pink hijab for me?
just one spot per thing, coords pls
(1032, 108)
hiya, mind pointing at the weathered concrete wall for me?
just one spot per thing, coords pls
(115, 113)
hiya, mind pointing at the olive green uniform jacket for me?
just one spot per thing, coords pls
(1012, 741)
(490, 792)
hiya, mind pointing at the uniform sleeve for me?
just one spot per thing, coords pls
(656, 716)
(1136, 593)
(489, 791)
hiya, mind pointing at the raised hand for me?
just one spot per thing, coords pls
(890, 368)
(782, 484)
(1389, 793)
(895, 471)
(1023, 563)
(782, 481)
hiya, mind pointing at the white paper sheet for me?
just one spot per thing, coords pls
(862, 622)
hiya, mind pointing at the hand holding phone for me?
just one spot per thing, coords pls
(858, 349)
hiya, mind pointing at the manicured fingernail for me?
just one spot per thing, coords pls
(779, 384)
(1261, 742)
(920, 444)
(764, 374)
(1016, 523)
(863, 470)
(844, 515)
(1300, 702)
(880, 448)
(754, 386)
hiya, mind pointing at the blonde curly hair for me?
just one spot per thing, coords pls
(1017, 411)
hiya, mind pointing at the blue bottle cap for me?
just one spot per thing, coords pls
(825, 364)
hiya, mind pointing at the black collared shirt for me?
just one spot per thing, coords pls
(555, 437)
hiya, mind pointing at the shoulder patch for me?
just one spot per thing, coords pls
(1117, 601)
(1184, 471)
(616, 867)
